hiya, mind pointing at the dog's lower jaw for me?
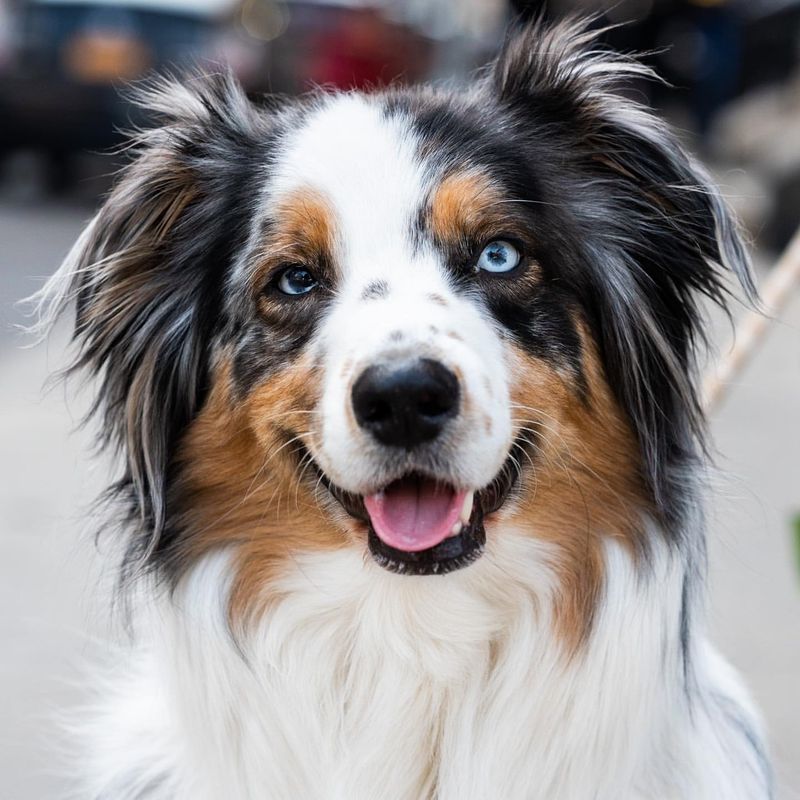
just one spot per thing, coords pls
(361, 684)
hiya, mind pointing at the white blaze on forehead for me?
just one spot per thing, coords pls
(365, 164)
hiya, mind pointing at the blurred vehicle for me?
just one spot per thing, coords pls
(63, 63)
(356, 44)
(346, 46)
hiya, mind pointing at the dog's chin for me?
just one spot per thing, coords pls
(462, 545)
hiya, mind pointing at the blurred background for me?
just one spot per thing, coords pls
(733, 92)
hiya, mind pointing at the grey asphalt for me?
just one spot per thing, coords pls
(53, 608)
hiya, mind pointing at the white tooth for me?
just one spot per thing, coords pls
(456, 529)
(466, 509)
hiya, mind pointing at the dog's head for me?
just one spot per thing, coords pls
(392, 321)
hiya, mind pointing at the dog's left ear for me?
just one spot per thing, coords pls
(655, 230)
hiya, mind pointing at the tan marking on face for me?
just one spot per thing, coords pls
(469, 207)
(463, 203)
(303, 231)
(585, 484)
(241, 483)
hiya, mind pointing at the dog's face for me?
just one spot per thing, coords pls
(403, 336)
(396, 321)
(391, 277)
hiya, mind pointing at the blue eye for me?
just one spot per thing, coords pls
(296, 280)
(499, 256)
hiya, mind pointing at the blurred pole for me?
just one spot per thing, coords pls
(784, 277)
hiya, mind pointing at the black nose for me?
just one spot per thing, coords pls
(405, 406)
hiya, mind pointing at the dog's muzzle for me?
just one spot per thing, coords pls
(418, 523)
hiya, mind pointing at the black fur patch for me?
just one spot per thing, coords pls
(267, 341)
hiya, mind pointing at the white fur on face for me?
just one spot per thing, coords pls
(367, 168)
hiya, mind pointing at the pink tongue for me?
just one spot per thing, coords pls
(414, 514)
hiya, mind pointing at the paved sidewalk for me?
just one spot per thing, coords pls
(755, 571)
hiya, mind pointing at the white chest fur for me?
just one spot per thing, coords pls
(359, 685)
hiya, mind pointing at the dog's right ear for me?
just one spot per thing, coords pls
(147, 273)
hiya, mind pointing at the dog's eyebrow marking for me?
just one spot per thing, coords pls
(302, 228)
(375, 290)
(438, 299)
(461, 203)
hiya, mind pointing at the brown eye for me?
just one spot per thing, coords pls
(295, 281)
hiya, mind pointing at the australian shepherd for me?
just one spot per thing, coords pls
(402, 385)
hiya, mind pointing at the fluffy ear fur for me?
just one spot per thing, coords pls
(146, 278)
(657, 227)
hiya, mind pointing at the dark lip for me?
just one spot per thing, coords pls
(455, 552)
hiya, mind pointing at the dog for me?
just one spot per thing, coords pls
(402, 385)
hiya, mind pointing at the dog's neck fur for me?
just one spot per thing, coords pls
(360, 684)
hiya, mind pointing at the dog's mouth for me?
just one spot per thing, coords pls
(420, 525)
